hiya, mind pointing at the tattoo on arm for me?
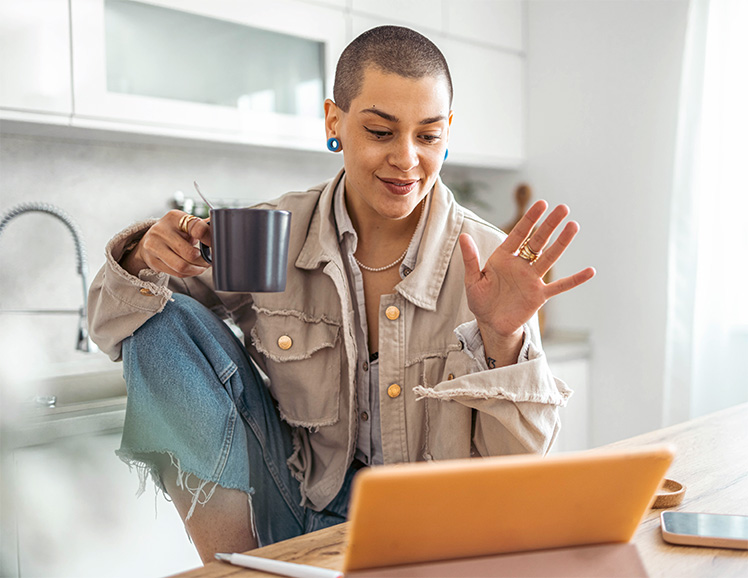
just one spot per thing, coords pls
(491, 362)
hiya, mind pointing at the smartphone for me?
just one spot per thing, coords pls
(711, 530)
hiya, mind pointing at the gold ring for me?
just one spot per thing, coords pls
(528, 254)
(184, 223)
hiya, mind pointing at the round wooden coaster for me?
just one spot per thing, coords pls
(670, 494)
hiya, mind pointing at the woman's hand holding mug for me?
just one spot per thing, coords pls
(249, 248)
(167, 249)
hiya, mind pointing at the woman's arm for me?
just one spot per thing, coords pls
(515, 406)
(510, 290)
(501, 372)
(144, 264)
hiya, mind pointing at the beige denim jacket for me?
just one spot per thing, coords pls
(436, 400)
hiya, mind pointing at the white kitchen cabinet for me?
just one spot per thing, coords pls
(340, 4)
(499, 23)
(76, 514)
(417, 14)
(35, 81)
(238, 71)
(489, 100)
(362, 22)
(568, 355)
(247, 71)
(488, 128)
(574, 434)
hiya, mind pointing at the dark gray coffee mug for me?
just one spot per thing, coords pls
(249, 249)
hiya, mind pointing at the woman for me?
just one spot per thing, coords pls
(390, 343)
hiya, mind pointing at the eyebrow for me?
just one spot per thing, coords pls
(393, 118)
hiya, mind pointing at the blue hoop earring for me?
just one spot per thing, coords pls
(333, 145)
(446, 154)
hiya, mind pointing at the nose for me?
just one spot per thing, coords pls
(404, 154)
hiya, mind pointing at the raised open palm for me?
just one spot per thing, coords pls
(509, 289)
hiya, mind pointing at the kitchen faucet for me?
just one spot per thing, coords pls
(84, 342)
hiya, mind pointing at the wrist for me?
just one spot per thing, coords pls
(131, 260)
(501, 349)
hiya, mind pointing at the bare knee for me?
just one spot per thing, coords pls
(217, 519)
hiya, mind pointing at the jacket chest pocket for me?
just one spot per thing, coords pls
(303, 363)
(443, 367)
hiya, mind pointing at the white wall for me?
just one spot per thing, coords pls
(603, 79)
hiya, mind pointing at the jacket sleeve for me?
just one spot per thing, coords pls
(516, 407)
(119, 303)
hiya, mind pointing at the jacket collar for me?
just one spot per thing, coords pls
(321, 244)
(423, 284)
(443, 227)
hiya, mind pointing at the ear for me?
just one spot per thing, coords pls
(332, 118)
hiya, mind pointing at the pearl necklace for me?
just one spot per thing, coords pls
(377, 269)
(401, 257)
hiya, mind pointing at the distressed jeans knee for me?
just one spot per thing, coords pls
(194, 394)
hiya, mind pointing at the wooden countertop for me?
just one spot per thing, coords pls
(711, 460)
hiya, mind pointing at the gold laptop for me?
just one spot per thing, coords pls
(411, 513)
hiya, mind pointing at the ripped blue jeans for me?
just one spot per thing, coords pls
(194, 393)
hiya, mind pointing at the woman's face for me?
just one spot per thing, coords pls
(394, 137)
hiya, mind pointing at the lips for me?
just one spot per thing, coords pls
(400, 186)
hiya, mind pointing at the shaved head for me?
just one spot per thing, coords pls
(391, 49)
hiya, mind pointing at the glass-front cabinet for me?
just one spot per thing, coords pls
(250, 72)
(35, 61)
(240, 71)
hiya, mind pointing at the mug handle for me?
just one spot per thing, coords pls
(205, 252)
(204, 249)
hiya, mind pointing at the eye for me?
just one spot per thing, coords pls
(379, 134)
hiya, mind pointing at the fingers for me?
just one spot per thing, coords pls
(553, 289)
(179, 258)
(537, 241)
(183, 244)
(175, 265)
(199, 230)
(524, 227)
(168, 249)
(540, 237)
(471, 257)
(554, 252)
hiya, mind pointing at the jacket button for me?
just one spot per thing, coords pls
(394, 390)
(285, 342)
(392, 312)
(146, 292)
